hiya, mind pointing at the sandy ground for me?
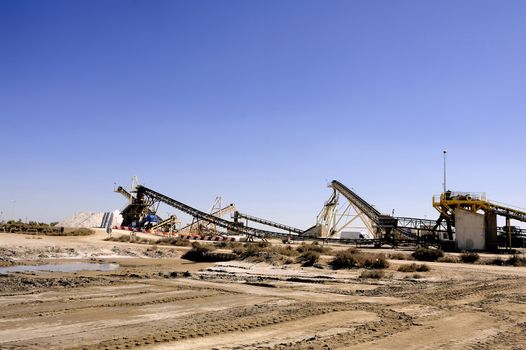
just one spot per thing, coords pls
(155, 300)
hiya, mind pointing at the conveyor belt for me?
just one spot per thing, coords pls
(125, 193)
(267, 222)
(358, 201)
(507, 212)
(385, 222)
(231, 226)
(219, 213)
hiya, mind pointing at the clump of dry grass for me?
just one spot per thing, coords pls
(372, 274)
(80, 231)
(495, 261)
(205, 253)
(229, 245)
(314, 246)
(265, 252)
(121, 238)
(469, 257)
(448, 259)
(413, 268)
(309, 258)
(516, 260)
(400, 256)
(128, 238)
(178, 242)
(353, 258)
(427, 254)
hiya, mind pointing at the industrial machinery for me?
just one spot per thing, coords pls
(202, 226)
(170, 224)
(146, 198)
(344, 207)
(452, 204)
(512, 236)
(340, 212)
(334, 216)
(288, 229)
(145, 211)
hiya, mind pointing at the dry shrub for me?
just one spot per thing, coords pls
(309, 258)
(352, 258)
(122, 238)
(372, 261)
(229, 245)
(265, 252)
(81, 231)
(413, 268)
(469, 257)
(496, 261)
(314, 246)
(372, 274)
(128, 238)
(344, 260)
(516, 260)
(254, 249)
(248, 250)
(448, 259)
(423, 268)
(400, 256)
(427, 254)
(179, 242)
(284, 250)
(204, 253)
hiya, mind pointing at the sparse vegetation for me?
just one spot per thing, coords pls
(73, 232)
(205, 253)
(372, 274)
(344, 260)
(427, 254)
(306, 254)
(229, 245)
(516, 260)
(314, 246)
(265, 252)
(309, 258)
(284, 250)
(128, 238)
(40, 229)
(413, 268)
(121, 238)
(353, 258)
(469, 257)
(496, 261)
(179, 242)
(401, 256)
(448, 259)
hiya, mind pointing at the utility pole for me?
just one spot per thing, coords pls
(445, 187)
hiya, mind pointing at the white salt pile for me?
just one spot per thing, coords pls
(90, 219)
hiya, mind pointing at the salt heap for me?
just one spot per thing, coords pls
(90, 219)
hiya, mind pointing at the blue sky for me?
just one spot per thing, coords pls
(261, 102)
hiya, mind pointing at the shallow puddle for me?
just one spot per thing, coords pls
(69, 267)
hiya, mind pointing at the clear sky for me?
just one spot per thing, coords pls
(261, 102)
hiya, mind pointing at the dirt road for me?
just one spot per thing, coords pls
(151, 303)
